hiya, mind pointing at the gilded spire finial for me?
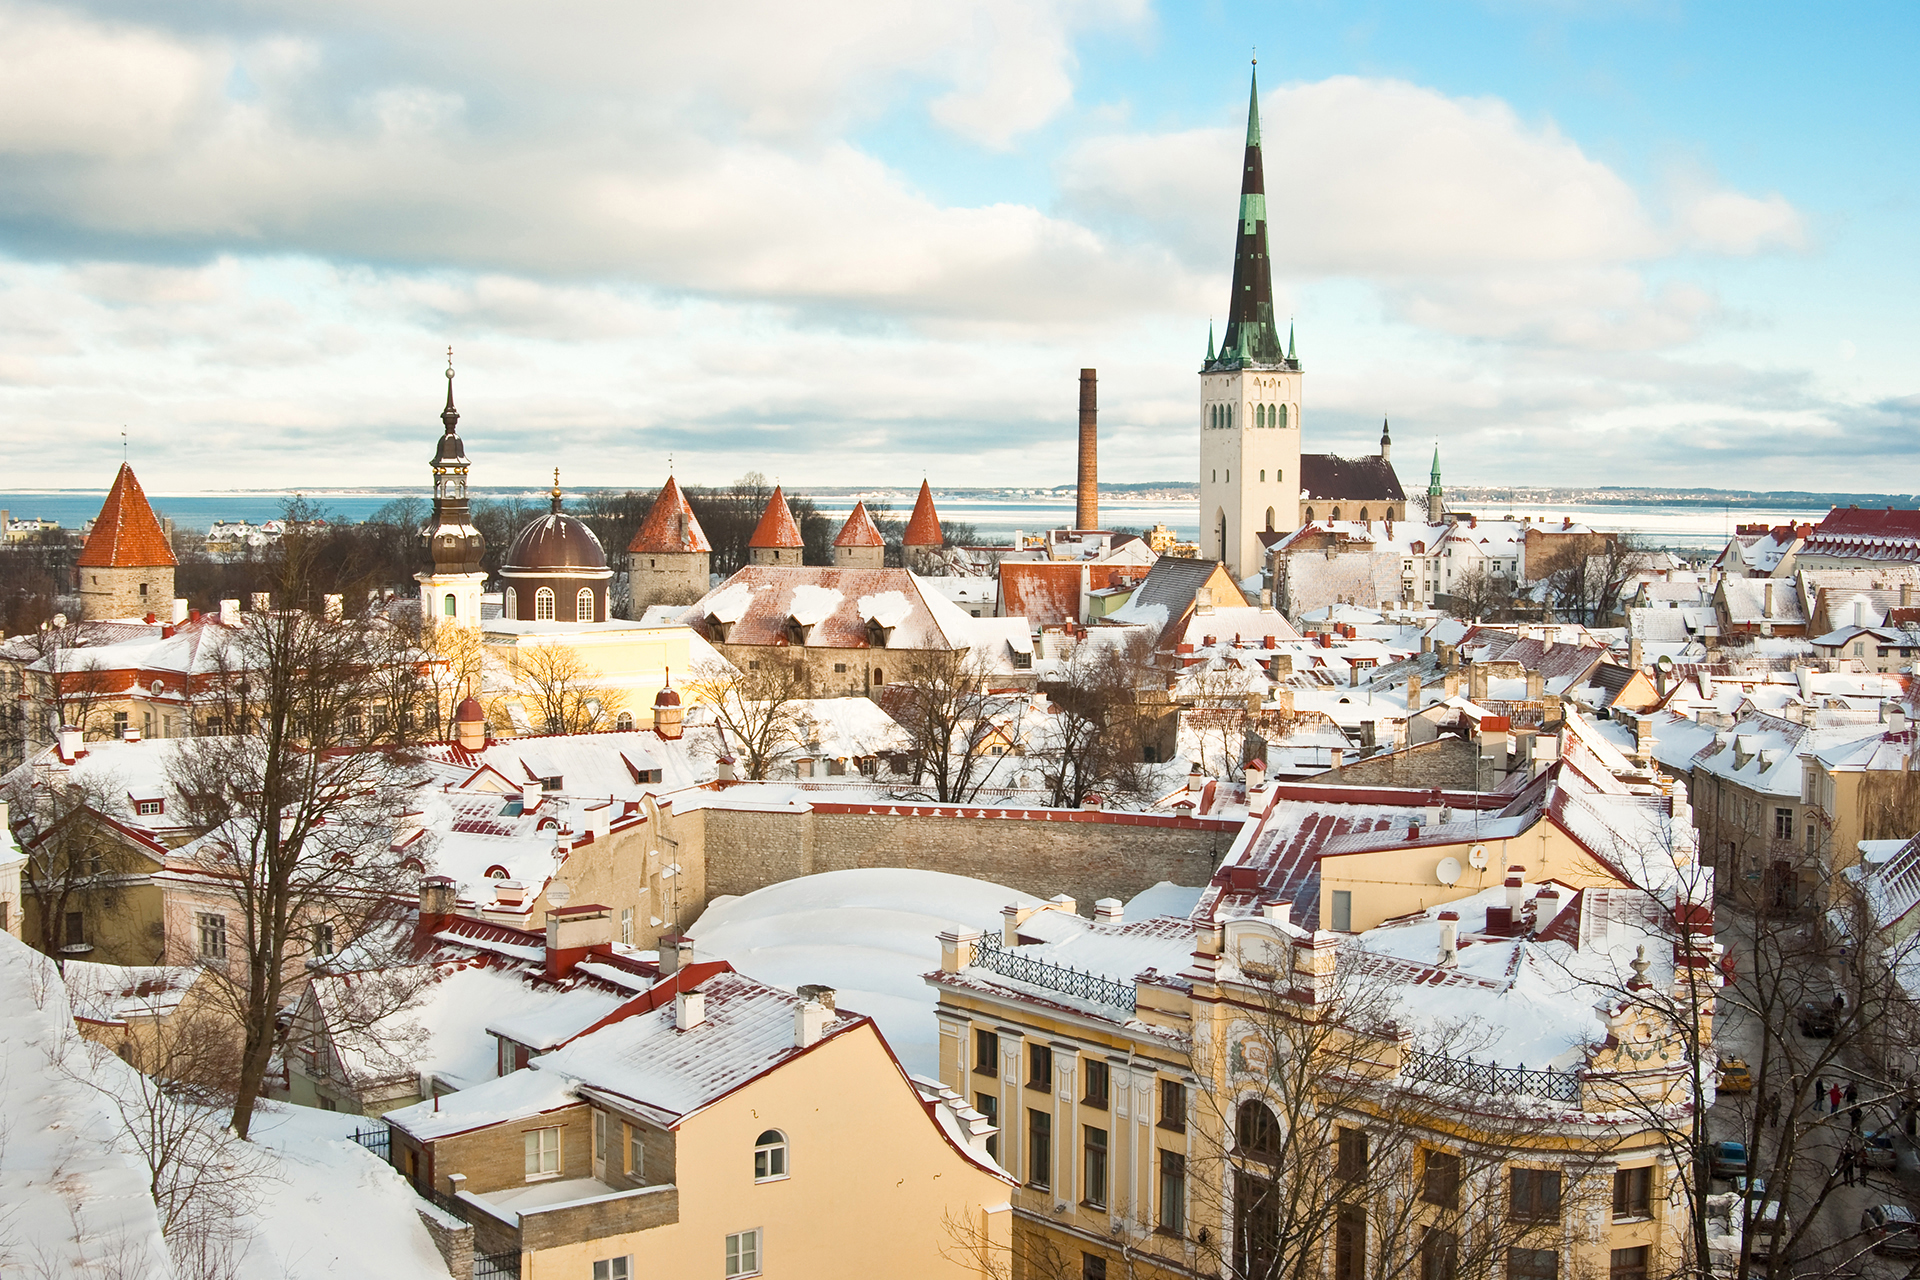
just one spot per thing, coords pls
(556, 488)
(449, 415)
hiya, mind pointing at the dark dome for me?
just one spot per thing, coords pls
(666, 698)
(450, 452)
(555, 543)
(469, 712)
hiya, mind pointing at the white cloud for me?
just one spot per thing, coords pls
(103, 91)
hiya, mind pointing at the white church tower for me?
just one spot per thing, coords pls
(450, 590)
(1249, 398)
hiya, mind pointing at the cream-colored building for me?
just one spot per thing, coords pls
(1252, 1089)
(715, 1127)
(623, 663)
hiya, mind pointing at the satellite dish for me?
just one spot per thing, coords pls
(1664, 662)
(559, 893)
(1477, 857)
(1448, 872)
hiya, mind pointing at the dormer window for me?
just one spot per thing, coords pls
(149, 808)
(877, 634)
(720, 629)
(797, 631)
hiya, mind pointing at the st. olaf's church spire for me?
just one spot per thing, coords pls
(1252, 337)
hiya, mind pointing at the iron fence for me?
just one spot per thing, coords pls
(496, 1266)
(990, 953)
(378, 1140)
(1489, 1077)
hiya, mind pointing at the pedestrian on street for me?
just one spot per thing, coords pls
(1819, 1093)
(1773, 1110)
(1846, 1164)
(1833, 1097)
(1853, 1118)
(1853, 1092)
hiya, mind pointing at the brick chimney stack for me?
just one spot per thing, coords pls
(1086, 514)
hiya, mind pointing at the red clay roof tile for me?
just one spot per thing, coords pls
(923, 530)
(127, 535)
(859, 530)
(670, 526)
(777, 527)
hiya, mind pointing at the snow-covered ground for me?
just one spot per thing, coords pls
(74, 1188)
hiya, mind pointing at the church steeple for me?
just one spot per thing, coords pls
(1251, 337)
(1436, 496)
(453, 543)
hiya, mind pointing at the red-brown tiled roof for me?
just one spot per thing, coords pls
(1045, 593)
(127, 535)
(923, 530)
(777, 527)
(670, 526)
(859, 530)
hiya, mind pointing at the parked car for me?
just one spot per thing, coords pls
(1891, 1228)
(1816, 1021)
(1734, 1076)
(1729, 1160)
(1760, 1233)
(1877, 1152)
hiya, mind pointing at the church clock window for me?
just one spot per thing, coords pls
(583, 605)
(543, 605)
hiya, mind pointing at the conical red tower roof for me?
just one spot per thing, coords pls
(127, 535)
(670, 526)
(859, 530)
(923, 529)
(777, 527)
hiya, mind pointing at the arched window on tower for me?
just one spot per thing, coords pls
(1269, 519)
(1283, 415)
(1259, 415)
(1309, 515)
(1363, 515)
(1334, 514)
(543, 605)
(583, 605)
(450, 605)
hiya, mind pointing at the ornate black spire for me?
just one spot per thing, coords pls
(453, 543)
(1251, 337)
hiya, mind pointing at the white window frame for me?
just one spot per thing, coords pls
(620, 1268)
(543, 605)
(777, 1163)
(211, 935)
(743, 1253)
(583, 601)
(540, 1153)
(636, 1153)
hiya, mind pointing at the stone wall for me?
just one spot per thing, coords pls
(126, 593)
(616, 1215)
(670, 578)
(1447, 761)
(1087, 855)
(452, 1237)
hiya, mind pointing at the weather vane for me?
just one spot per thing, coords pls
(449, 364)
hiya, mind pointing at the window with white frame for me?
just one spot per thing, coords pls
(583, 605)
(770, 1156)
(626, 925)
(543, 1153)
(543, 605)
(636, 1153)
(743, 1253)
(613, 1268)
(212, 935)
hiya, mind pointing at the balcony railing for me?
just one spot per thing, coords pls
(989, 953)
(1491, 1078)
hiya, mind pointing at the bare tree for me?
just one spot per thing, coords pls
(77, 865)
(758, 711)
(943, 703)
(1097, 739)
(295, 816)
(567, 694)
(1585, 579)
(1479, 594)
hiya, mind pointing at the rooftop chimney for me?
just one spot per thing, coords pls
(1546, 905)
(1449, 939)
(1086, 507)
(811, 1015)
(1766, 610)
(689, 1010)
(1109, 911)
(1516, 889)
(179, 611)
(229, 613)
(69, 740)
(437, 897)
(530, 795)
(675, 952)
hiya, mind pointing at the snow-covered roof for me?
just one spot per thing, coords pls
(870, 934)
(116, 992)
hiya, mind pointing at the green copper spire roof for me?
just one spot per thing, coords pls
(1251, 337)
(1433, 483)
(1209, 342)
(1290, 355)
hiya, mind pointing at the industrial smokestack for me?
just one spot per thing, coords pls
(1086, 514)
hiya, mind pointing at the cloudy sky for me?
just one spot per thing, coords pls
(861, 241)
